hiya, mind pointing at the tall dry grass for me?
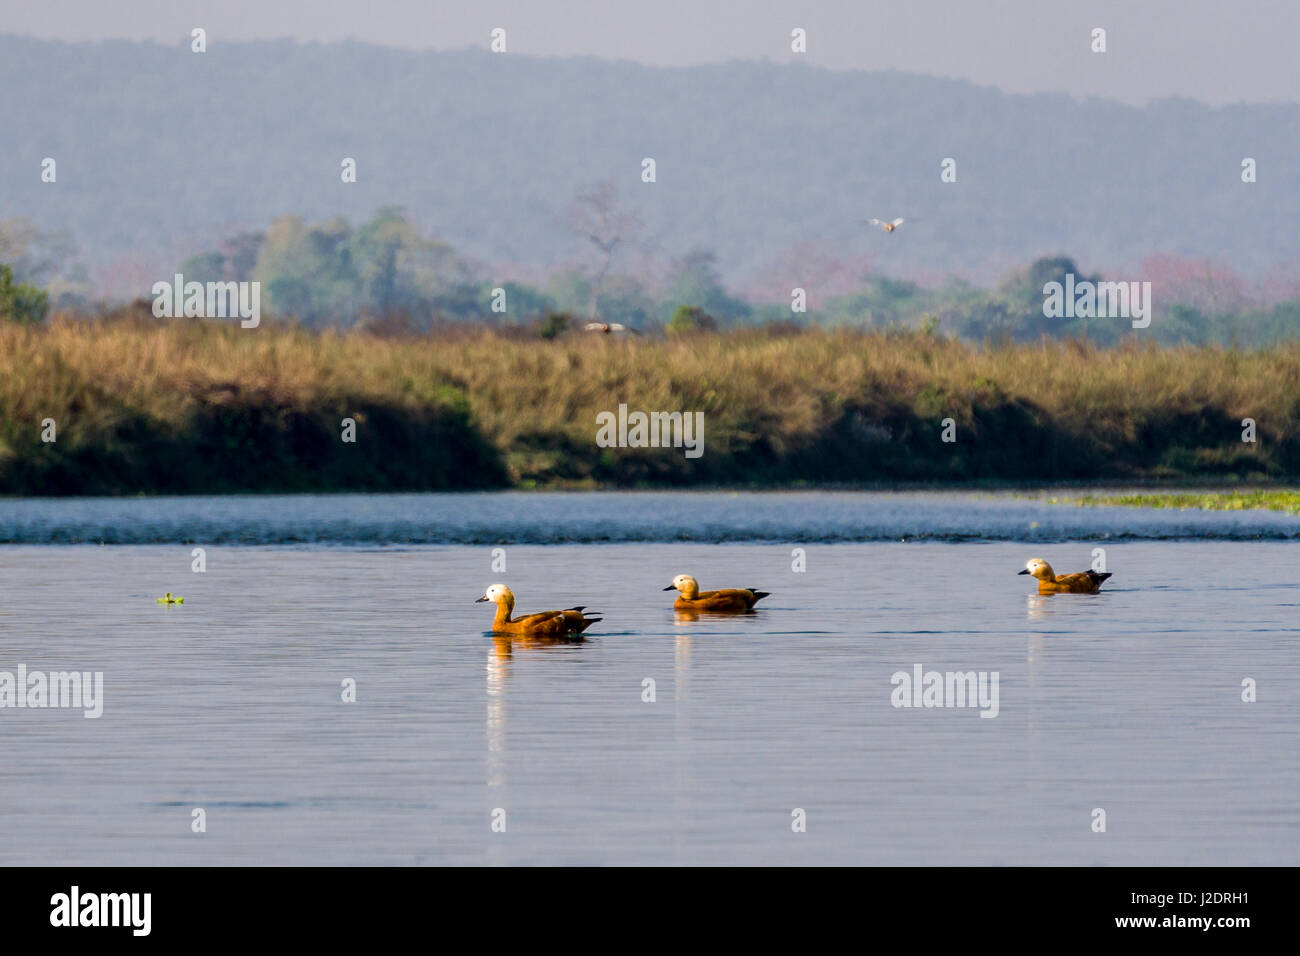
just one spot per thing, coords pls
(157, 406)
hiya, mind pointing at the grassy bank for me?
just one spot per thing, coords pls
(190, 406)
(1269, 499)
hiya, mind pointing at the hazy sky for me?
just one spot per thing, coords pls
(1217, 51)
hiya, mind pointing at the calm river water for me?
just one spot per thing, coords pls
(1129, 701)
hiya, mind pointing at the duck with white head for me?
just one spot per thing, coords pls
(1080, 582)
(725, 600)
(555, 624)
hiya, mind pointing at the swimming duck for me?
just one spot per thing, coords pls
(170, 598)
(691, 598)
(1081, 582)
(567, 623)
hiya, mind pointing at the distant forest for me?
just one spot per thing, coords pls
(771, 168)
(384, 275)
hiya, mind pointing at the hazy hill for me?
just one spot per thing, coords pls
(161, 151)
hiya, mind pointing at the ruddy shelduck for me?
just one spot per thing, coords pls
(691, 598)
(554, 624)
(1081, 582)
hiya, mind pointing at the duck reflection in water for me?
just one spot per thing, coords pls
(503, 645)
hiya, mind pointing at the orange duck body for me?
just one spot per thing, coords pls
(1080, 582)
(545, 624)
(724, 601)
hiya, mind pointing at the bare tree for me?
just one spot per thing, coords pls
(596, 216)
(35, 255)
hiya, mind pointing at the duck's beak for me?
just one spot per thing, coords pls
(480, 600)
(671, 587)
(1025, 571)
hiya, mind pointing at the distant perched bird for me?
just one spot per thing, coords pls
(887, 226)
(691, 598)
(568, 623)
(608, 327)
(1081, 582)
(170, 598)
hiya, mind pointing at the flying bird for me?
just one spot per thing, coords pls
(608, 327)
(887, 226)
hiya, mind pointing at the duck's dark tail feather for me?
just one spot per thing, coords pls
(580, 607)
(1099, 576)
(759, 595)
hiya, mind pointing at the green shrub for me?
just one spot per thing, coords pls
(690, 318)
(24, 304)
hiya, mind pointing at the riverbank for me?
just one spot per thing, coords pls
(1278, 499)
(201, 407)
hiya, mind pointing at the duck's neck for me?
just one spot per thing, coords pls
(504, 607)
(690, 591)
